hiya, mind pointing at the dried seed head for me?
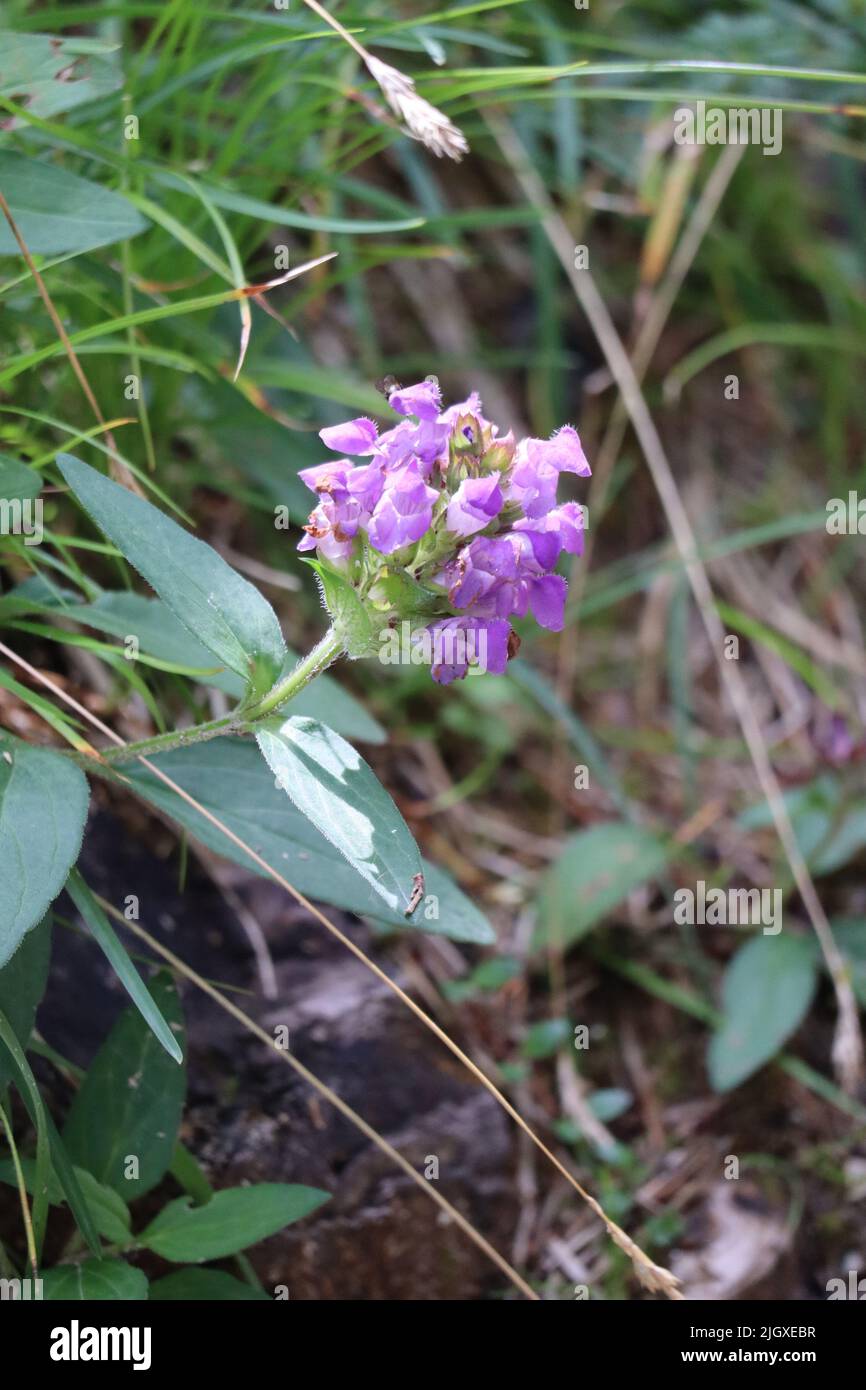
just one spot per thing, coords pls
(422, 121)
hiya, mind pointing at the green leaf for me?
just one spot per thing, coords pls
(210, 598)
(231, 780)
(113, 949)
(332, 785)
(546, 1037)
(205, 1286)
(17, 481)
(130, 1102)
(109, 1211)
(49, 74)
(22, 985)
(43, 808)
(230, 1221)
(349, 618)
(94, 1281)
(57, 212)
(597, 869)
(830, 828)
(766, 993)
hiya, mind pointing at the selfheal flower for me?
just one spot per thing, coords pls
(474, 505)
(565, 523)
(537, 466)
(449, 526)
(403, 512)
(457, 644)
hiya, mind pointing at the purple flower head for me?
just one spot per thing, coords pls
(474, 505)
(472, 515)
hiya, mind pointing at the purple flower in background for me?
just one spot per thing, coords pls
(429, 486)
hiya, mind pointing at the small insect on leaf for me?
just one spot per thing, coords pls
(417, 894)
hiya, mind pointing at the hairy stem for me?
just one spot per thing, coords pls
(310, 666)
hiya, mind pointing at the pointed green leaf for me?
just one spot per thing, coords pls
(112, 947)
(17, 481)
(94, 1281)
(232, 1220)
(766, 993)
(211, 599)
(130, 1102)
(596, 870)
(231, 780)
(330, 783)
(57, 212)
(43, 808)
(22, 985)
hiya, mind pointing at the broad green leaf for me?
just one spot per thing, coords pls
(330, 783)
(17, 481)
(766, 993)
(115, 952)
(229, 1222)
(210, 598)
(57, 212)
(160, 634)
(43, 808)
(596, 870)
(22, 985)
(109, 1211)
(231, 780)
(94, 1281)
(205, 1286)
(130, 1102)
(49, 74)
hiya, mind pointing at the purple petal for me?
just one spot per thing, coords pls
(354, 437)
(423, 400)
(547, 601)
(335, 469)
(474, 505)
